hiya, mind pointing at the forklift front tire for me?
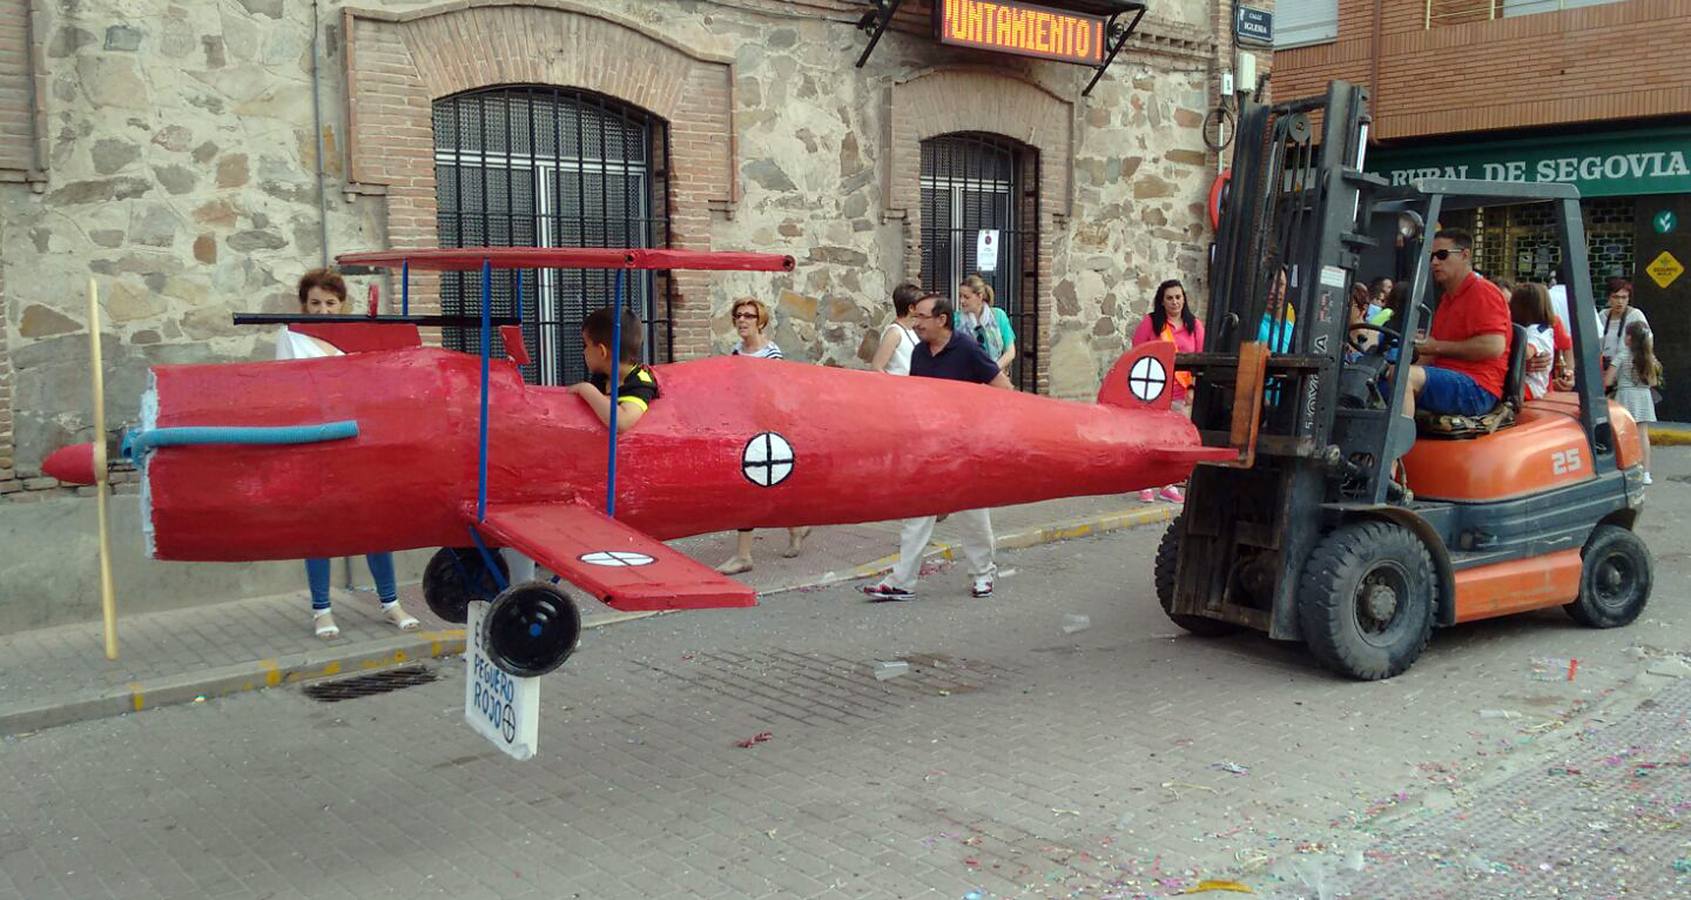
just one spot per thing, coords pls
(1614, 581)
(1366, 600)
(1168, 562)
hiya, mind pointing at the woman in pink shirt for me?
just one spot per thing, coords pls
(1172, 320)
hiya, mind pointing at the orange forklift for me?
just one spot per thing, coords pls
(1343, 523)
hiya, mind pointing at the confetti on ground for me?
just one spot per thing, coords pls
(758, 738)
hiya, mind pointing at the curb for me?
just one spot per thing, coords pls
(191, 687)
(1669, 436)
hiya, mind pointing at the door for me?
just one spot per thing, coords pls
(1662, 237)
(975, 183)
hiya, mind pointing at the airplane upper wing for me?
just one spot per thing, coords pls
(623, 567)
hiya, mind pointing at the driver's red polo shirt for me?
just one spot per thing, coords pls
(1476, 308)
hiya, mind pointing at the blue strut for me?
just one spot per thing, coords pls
(614, 382)
(486, 349)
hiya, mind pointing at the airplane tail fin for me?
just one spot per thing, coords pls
(1142, 379)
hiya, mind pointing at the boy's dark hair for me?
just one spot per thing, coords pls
(1458, 237)
(598, 325)
(943, 310)
(905, 296)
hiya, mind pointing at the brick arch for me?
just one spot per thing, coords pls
(948, 101)
(399, 63)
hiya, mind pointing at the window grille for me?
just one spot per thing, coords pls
(537, 166)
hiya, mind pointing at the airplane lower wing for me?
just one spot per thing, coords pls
(622, 567)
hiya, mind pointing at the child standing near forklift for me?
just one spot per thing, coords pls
(1634, 374)
(637, 386)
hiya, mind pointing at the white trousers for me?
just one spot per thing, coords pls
(975, 530)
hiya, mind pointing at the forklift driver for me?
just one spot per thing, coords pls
(1464, 358)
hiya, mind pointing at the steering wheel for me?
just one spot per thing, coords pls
(1380, 347)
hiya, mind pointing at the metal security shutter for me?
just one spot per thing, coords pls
(1298, 23)
(551, 167)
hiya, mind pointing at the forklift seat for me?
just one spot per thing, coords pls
(1441, 425)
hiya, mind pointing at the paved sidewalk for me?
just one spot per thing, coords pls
(55, 676)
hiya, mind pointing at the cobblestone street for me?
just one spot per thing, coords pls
(1015, 758)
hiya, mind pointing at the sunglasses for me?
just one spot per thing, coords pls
(1442, 255)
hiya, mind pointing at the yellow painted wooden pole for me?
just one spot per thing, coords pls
(108, 603)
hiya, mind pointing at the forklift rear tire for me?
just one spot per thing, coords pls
(1615, 580)
(1366, 600)
(1168, 561)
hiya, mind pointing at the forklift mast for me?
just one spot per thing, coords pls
(1274, 382)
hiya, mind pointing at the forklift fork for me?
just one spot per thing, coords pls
(1248, 386)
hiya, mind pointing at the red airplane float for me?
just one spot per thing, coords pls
(384, 448)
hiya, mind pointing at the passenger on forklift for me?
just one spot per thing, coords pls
(1276, 328)
(1465, 355)
(1529, 307)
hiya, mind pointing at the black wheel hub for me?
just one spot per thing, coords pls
(1379, 604)
(531, 629)
(1614, 581)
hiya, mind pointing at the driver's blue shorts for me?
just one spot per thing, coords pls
(1454, 393)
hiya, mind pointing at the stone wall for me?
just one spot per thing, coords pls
(178, 168)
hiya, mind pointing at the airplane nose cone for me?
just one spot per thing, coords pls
(71, 465)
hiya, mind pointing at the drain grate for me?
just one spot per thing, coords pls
(370, 685)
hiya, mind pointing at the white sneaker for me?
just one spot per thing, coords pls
(982, 586)
(1648, 479)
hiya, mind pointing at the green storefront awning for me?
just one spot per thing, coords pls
(1612, 164)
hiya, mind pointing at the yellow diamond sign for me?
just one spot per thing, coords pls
(1664, 269)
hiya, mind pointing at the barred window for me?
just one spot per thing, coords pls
(537, 166)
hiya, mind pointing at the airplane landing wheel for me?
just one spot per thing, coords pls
(1366, 599)
(1615, 582)
(1168, 562)
(531, 629)
(454, 577)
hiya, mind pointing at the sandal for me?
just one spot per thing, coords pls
(323, 624)
(401, 619)
(795, 541)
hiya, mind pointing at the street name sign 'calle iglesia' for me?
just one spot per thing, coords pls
(1616, 164)
(1021, 28)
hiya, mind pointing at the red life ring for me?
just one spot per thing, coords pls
(1218, 191)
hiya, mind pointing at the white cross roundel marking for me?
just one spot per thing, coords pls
(767, 459)
(615, 558)
(1147, 378)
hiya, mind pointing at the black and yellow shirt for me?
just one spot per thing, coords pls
(639, 386)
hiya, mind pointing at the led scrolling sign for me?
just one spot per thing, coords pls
(1025, 29)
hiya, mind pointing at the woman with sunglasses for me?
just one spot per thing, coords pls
(751, 317)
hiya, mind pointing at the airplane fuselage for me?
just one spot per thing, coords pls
(731, 443)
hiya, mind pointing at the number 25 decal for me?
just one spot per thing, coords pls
(1564, 461)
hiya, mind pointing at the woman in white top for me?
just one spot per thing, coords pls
(322, 292)
(892, 355)
(1620, 316)
(751, 317)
